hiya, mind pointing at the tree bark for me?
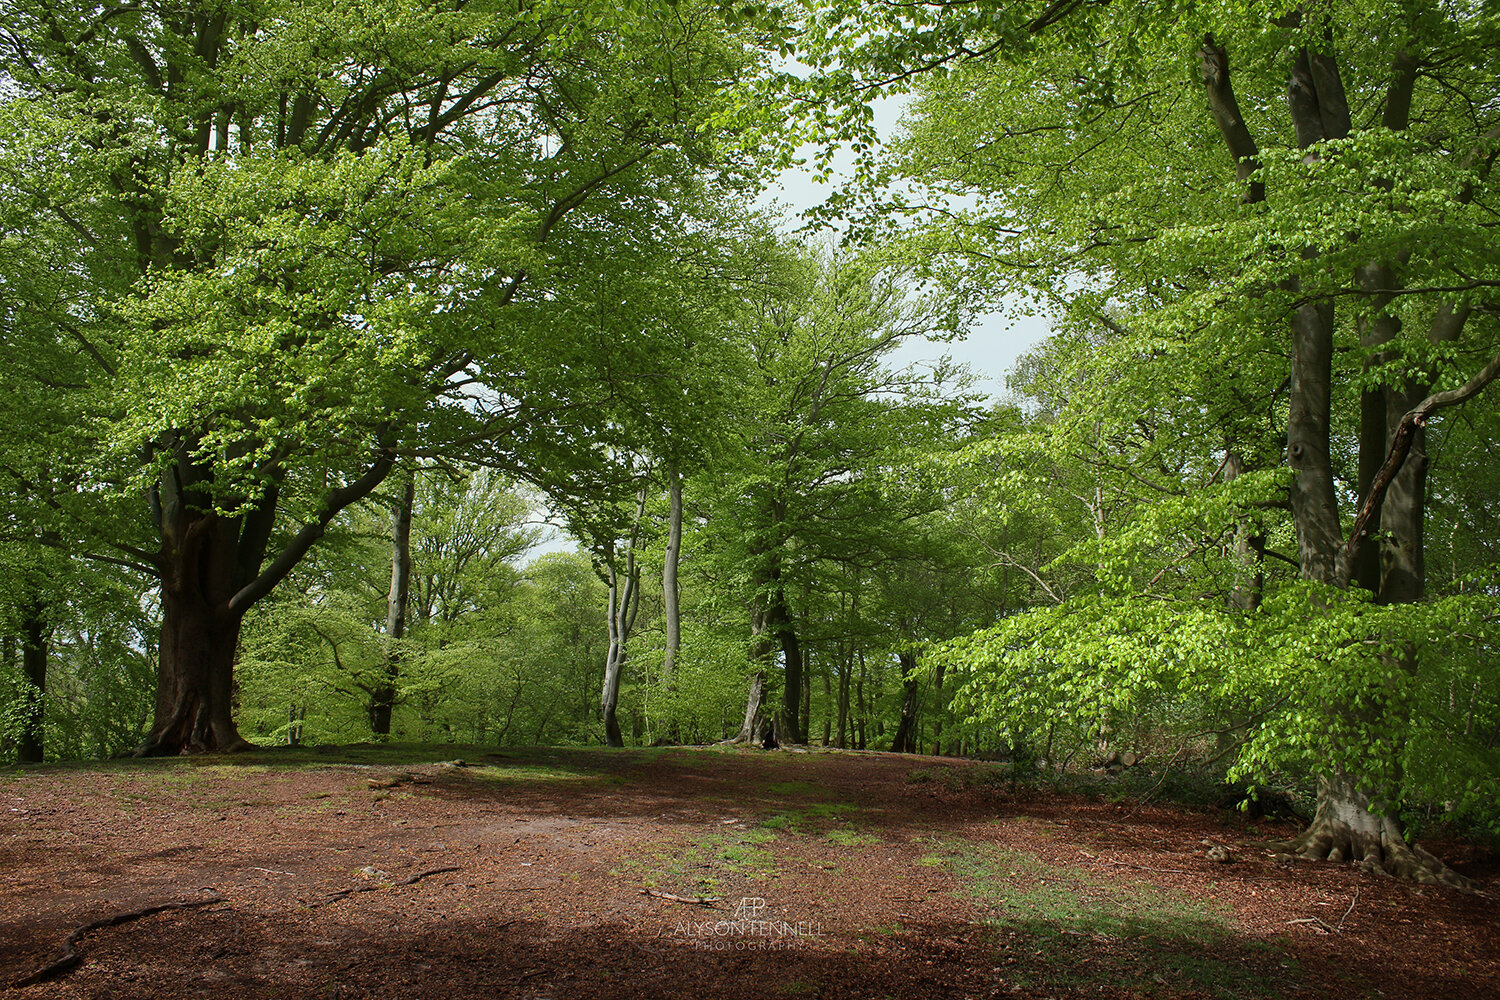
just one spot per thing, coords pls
(1346, 828)
(905, 740)
(213, 569)
(34, 650)
(624, 601)
(383, 697)
(846, 667)
(671, 609)
(790, 726)
(762, 645)
(939, 709)
(200, 634)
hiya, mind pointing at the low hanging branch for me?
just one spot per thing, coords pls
(71, 957)
(1396, 457)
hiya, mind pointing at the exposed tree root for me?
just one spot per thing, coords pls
(71, 957)
(1343, 829)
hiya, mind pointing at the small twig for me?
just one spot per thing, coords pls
(71, 957)
(271, 871)
(419, 876)
(693, 900)
(1340, 927)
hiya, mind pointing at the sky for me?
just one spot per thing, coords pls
(995, 340)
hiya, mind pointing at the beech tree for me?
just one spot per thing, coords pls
(1317, 193)
(321, 236)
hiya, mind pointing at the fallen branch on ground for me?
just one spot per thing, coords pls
(419, 876)
(71, 957)
(1317, 922)
(693, 900)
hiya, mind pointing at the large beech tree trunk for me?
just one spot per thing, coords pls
(213, 569)
(34, 648)
(200, 634)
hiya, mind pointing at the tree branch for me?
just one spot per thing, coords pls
(1401, 440)
(297, 548)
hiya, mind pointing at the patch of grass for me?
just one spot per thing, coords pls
(702, 864)
(518, 773)
(850, 838)
(813, 818)
(1096, 929)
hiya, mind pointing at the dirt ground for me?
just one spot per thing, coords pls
(550, 874)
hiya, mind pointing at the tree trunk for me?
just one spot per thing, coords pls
(860, 706)
(195, 678)
(34, 667)
(624, 601)
(827, 706)
(609, 696)
(939, 709)
(211, 574)
(846, 668)
(804, 718)
(1345, 829)
(671, 609)
(383, 697)
(789, 724)
(762, 645)
(905, 740)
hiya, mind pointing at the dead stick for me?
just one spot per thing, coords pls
(419, 876)
(693, 900)
(71, 957)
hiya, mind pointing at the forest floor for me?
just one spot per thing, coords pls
(551, 874)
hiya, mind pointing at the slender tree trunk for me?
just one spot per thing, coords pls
(621, 596)
(34, 651)
(383, 698)
(670, 605)
(791, 653)
(860, 704)
(827, 705)
(846, 668)
(624, 602)
(939, 707)
(804, 718)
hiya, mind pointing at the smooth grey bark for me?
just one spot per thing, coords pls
(671, 606)
(398, 597)
(624, 603)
